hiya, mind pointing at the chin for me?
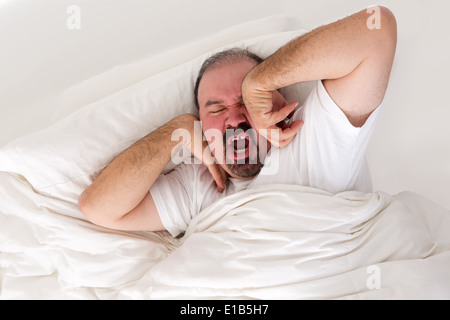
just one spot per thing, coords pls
(244, 171)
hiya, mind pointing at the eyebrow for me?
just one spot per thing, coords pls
(215, 102)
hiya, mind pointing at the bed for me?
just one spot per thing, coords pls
(273, 242)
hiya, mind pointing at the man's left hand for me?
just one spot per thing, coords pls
(268, 111)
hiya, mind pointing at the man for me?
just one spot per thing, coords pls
(351, 63)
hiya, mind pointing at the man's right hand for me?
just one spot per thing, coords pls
(120, 199)
(199, 148)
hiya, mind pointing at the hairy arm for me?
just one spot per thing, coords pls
(353, 61)
(119, 198)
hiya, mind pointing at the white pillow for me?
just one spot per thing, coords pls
(62, 160)
(123, 76)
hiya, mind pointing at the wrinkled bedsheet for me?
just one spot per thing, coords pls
(272, 242)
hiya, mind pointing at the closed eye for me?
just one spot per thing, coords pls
(217, 111)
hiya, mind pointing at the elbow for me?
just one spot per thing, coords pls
(379, 18)
(94, 212)
(382, 29)
(386, 12)
(85, 206)
(88, 209)
(387, 21)
(390, 25)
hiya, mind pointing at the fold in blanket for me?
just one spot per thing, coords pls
(293, 242)
(272, 242)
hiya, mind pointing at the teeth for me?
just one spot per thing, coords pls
(240, 144)
(240, 150)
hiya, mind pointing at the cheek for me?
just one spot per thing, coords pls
(212, 123)
(213, 129)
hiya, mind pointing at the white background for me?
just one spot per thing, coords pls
(40, 57)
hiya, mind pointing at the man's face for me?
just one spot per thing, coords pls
(240, 150)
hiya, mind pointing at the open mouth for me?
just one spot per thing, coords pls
(242, 152)
(238, 146)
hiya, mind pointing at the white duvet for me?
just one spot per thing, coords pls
(274, 242)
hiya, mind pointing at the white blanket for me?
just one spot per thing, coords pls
(275, 242)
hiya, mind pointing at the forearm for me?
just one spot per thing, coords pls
(329, 52)
(127, 179)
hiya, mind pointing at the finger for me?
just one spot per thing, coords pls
(288, 134)
(291, 114)
(281, 138)
(206, 155)
(219, 176)
(284, 143)
(282, 125)
(224, 178)
(291, 130)
(283, 113)
(209, 161)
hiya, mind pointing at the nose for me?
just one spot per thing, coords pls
(236, 116)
